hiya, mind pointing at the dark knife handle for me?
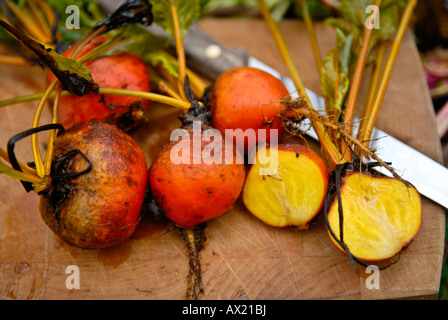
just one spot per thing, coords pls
(209, 58)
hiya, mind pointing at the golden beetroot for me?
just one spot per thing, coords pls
(286, 185)
(193, 180)
(118, 71)
(380, 216)
(247, 98)
(97, 186)
(201, 187)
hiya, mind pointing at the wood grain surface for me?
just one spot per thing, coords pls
(243, 258)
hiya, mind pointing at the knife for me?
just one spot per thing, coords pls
(209, 58)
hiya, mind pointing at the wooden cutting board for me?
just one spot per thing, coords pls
(243, 258)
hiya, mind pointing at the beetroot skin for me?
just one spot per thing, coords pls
(99, 208)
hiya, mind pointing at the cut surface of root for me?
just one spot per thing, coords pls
(380, 216)
(286, 186)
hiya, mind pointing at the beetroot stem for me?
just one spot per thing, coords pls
(373, 85)
(33, 27)
(357, 77)
(52, 134)
(148, 95)
(180, 51)
(18, 175)
(108, 91)
(86, 39)
(312, 34)
(366, 133)
(34, 138)
(25, 168)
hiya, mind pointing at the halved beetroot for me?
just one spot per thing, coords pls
(118, 71)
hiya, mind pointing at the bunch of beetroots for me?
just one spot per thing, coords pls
(188, 193)
(286, 185)
(289, 184)
(197, 190)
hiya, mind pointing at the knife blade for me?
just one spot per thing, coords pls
(209, 58)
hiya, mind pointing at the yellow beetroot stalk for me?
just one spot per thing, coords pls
(327, 143)
(365, 132)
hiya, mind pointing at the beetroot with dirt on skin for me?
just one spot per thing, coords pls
(99, 208)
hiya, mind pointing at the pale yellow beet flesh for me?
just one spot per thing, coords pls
(288, 190)
(381, 216)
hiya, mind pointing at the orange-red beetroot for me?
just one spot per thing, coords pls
(118, 71)
(190, 194)
(247, 98)
(100, 208)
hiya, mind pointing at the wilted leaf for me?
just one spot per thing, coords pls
(336, 69)
(349, 28)
(345, 44)
(74, 76)
(328, 82)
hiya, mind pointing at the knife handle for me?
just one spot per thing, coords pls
(207, 57)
